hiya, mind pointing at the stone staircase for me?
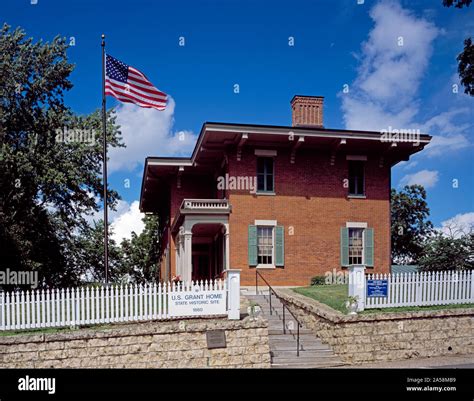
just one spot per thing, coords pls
(313, 353)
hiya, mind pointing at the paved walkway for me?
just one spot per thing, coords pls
(453, 361)
(313, 353)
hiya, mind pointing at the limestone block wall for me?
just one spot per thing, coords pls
(171, 344)
(386, 336)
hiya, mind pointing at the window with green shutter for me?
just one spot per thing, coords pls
(357, 246)
(369, 247)
(252, 245)
(344, 246)
(279, 246)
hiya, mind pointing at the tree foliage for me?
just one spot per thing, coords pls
(466, 67)
(410, 225)
(46, 186)
(142, 252)
(457, 3)
(448, 253)
(466, 57)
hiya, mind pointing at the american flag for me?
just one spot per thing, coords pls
(129, 85)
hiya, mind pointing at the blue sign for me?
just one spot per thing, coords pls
(377, 288)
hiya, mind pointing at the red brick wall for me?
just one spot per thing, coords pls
(192, 187)
(311, 199)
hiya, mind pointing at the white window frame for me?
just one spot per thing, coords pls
(272, 224)
(268, 155)
(363, 226)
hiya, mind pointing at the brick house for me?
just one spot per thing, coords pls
(296, 200)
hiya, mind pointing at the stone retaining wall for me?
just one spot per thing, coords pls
(386, 336)
(171, 344)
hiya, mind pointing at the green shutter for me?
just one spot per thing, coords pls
(279, 246)
(344, 246)
(369, 247)
(252, 245)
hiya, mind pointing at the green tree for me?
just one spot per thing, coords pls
(86, 255)
(466, 57)
(46, 185)
(466, 67)
(448, 253)
(141, 253)
(410, 224)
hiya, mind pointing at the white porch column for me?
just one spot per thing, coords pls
(233, 294)
(187, 259)
(181, 259)
(227, 248)
(357, 285)
(178, 255)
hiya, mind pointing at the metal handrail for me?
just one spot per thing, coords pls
(284, 303)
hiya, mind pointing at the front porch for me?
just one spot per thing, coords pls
(201, 235)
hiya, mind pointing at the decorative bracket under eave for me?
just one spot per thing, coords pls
(178, 180)
(385, 152)
(295, 147)
(243, 139)
(335, 149)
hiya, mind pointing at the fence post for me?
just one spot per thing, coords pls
(2, 310)
(471, 274)
(357, 285)
(233, 294)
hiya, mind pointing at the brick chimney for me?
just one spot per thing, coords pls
(307, 111)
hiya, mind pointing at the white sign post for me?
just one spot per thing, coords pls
(357, 285)
(233, 287)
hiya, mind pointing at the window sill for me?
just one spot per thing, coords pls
(356, 197)
(265, 193)
(265, 267)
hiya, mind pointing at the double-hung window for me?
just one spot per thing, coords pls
(265, 174)
(356, 178)
(265, 245)
(356, 246)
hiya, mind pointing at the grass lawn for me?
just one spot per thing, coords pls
(335, 296)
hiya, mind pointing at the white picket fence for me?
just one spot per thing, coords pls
(423, 289)
(98, 305)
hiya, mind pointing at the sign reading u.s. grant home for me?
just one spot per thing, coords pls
(197, 303)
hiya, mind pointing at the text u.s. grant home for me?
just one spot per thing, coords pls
(322, 199)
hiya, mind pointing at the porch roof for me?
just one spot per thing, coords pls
(216, 139)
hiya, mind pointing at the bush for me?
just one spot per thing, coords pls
(318, 280)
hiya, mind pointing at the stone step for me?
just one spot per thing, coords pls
(306, 365)
(291, 345)
(313, 353)
(325, 354)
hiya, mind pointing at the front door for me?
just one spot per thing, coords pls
(201, 266)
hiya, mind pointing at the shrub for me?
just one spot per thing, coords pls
(318, 280)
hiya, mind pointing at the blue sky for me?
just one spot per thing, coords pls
(336, 43)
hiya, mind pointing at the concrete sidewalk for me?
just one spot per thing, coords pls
(454, 361)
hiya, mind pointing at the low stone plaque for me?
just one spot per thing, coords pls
(215, 339)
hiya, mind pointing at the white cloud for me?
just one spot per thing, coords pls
(450, 136)
(458, 225)
(385, 90)
(148, 132)
(427, 178)
(125, 219)
(389, 75)
(129, 220)
(408, 165)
